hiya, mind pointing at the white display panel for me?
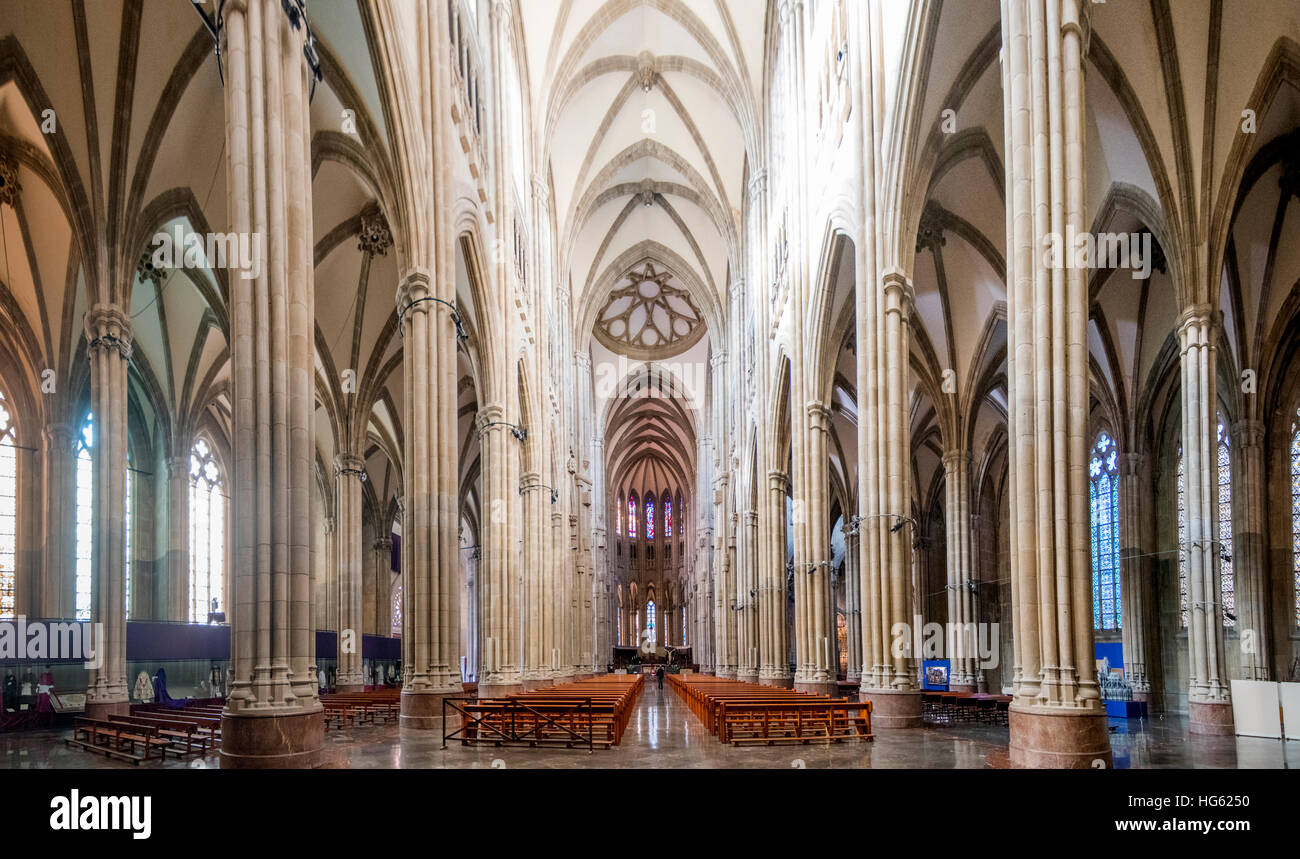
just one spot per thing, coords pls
(1255, 708)
(1290, 693)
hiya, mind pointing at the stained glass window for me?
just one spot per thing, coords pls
(397, 611)
(1223, 549)
(1103, 496)
(8, 512)
(631, 516)
(1295, 514)
(85, 517)
(1227, 591)
(650, 621)
(207, 533)
(668, 516)
(618, 519)
(650, 517)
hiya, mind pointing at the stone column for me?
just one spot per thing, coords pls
(890, 683)
(500, 672)
(272, 717)
(773, 645)
(1250, 551)
(853, 602)
(537, 655)
(382, 547)
(814, 601)
(1209, 699)
(430, 528)
(1057, 718)
(1135, 578)
(961, 638)
(178, 538)
(108, 331)
(749, 661)
(60, 511)
(349, 474)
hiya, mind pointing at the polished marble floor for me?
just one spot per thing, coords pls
(663, 734)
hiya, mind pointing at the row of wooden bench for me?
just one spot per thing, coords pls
(743, 713)
(361, 708)
(943, 706)
(591, 712)
(150, 731)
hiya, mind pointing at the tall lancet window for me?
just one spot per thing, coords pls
(397, 611)
(1103, 495)
(207, 533)
(1295, 515)
(1223, 551)
(85, 517)
(8, 512)
(631, 516)
(1223, 548)
(668, 515)
(650, 621)
(650, 517)
(618, 518)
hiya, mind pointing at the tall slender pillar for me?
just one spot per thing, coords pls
(1209, 699)
(1135, 575)
(500, 672)
(536, 596)
(272, 717)
(813, 598)
(382, 549)
(748, 668)
(178, 538)
(349, 472)
(108, 330)
(430, 528)
(961, 605)
(60, 485)
(1250, 551)
(1057, 718)
(774, 669)
(853, 603)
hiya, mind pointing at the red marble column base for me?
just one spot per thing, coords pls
(422, 711)
(499, 690)
(1071, 740)
(531, 683)
(104, 709)
(962, 687)
(815, 687)
(1208, 719)
(272, 742)
(349, 688)
(891, 709)
(777, 682)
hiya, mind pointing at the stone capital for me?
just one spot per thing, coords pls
(899, 294)
(348, 465)
(819, 416)
(1196, 324)
(178, 465)
(108, 328)
(778, 480)
(60, 436)
(954, 459)
(1249, 433)
(415, 286)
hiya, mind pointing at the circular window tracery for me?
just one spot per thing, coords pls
(649, 316)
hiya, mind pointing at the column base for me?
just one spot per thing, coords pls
(815, 687)
(1071, 740)
(349, 688)
(533, 683)
(1210, 718)
(777, 682)
(499, 690)
(747, 676)
(286, 741)
(964, 688)
(890, 709)
(422, 711)
(104, 709)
